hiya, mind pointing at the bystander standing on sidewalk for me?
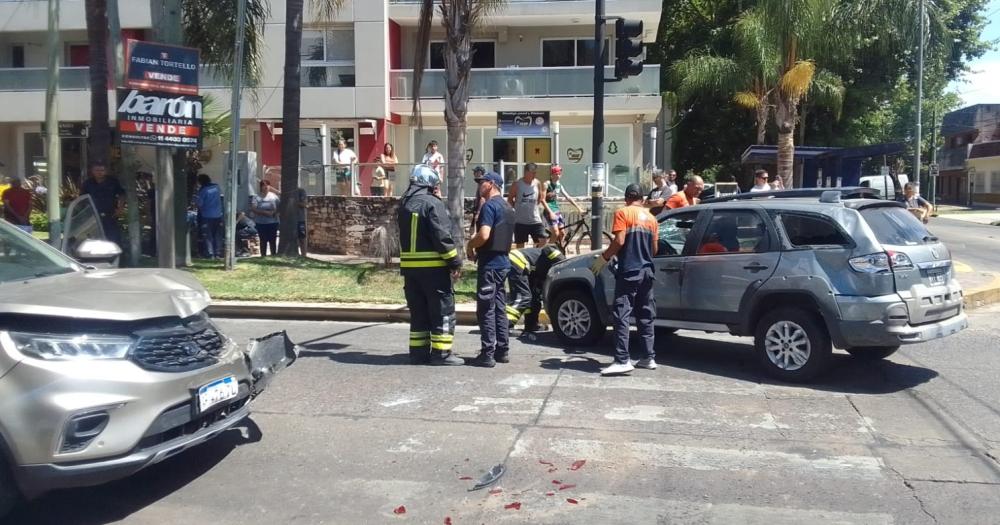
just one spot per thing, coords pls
(17, 205)
(302, 202)
(109, 199)
(344, 159)
(478, 173)
(760, 182)
(265, 214)
(635, 242)
(208, 202)
(528, 200)
(432, 157)
(555, 190)
(689, 196)
(490, 248)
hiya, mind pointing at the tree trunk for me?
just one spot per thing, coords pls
(785, 118)
(761, 122)
(99, 141)
(292, 101)
(458, 64)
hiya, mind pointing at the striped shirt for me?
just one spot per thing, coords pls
(641, 234)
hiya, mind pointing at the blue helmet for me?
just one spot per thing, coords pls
(423, 175)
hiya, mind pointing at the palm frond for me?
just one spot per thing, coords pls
(209, 27)
(747, 100)
(707, 73)
(217, 124)
(827, 90)
(326, 10)
(756, 46)
(795, 82)
(420, 49)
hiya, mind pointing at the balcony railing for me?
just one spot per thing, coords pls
(36, 78)
(527, 82)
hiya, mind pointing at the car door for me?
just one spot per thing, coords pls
(675, 240)
(82, 223)
(737, 250)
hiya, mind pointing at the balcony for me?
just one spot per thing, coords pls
(527, 82)
(37, 78)
(953, 158)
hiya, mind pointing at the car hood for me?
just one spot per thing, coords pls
(112, 295)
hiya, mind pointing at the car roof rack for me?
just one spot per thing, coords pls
(853, 192)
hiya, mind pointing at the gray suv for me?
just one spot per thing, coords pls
(800, 272)
(104, 372)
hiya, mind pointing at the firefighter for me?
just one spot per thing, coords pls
(490, 248)
(429, 263)
(528, 269)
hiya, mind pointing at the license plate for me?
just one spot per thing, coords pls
(216, 392)
(937, 279)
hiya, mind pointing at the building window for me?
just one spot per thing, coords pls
(571, 52)
(995, 182)
(484, 55)
(78, 55)
(17, 56)
(327, 57)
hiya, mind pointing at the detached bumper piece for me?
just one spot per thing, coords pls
(267, 356)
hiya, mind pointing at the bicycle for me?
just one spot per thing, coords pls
(579, 232)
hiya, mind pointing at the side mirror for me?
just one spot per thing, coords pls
(94, 251)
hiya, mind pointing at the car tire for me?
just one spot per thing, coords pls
(575, 319)
(9, 495)
(792, 344)
(872, 353)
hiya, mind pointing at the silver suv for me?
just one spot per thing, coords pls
(800, 272)
(104, 372)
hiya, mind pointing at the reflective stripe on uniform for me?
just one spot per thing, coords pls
(450, 255)
(440, 263)
(513, 314)
(414, 217)
(554, 254)
(441, 341)
(518, 259)
(419, 339)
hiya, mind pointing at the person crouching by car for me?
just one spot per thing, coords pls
(489, 248)
(429, 263)
(528, 269)
(635, 240)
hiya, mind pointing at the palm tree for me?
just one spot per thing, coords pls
(460, 19)
(290, 112)
(209, 26)
(99, 141)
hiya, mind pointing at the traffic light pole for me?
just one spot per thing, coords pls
(597, 156)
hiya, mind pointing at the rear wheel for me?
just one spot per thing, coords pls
(792, 344)
(575, 318)
(872, 353)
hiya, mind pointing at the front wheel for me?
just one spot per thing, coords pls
(872, 353)
(583, 241)
(792, 344)
(575, 318)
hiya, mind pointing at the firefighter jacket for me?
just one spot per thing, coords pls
(536, 261)
(425, 239)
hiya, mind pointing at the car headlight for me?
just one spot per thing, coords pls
(54, 347)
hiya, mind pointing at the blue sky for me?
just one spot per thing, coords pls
(982, 84)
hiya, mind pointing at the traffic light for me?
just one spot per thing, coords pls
(628, 46)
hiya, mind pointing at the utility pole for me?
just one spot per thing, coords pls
(234, 148)
(597, 172)
(935, 169)
(920, 95)
(171, 187)
(128, 174)
(53, 145)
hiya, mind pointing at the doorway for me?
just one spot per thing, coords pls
(505, 150)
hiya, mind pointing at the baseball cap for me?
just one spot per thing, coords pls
(493, 178)
(555, 168)
(478, 173)
(633, 192)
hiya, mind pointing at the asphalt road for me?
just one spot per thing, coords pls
(352, 433)
(977, 246)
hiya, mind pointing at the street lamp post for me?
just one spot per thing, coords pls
(234, 147)
(920, 94)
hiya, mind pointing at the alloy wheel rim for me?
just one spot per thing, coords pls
(787, 345)
(574, 319)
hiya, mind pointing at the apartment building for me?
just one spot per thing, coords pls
(357, 84)
(970, 159)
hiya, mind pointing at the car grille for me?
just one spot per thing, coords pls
(179, 351)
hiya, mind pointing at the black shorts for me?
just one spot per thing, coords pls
(536, 231)
(302, 230)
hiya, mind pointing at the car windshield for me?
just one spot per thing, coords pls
(23, 257)
(896, 226)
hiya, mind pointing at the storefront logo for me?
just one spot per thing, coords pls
(574, 154)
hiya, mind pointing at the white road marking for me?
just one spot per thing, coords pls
(707, 458)
(502, 405)
(520, 382)
(400, 401)
(413, 445)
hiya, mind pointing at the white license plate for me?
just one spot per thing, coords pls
(937, 279)
(216, 392)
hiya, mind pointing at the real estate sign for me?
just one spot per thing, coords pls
(523, 123)
(158, 67)
(159, 119)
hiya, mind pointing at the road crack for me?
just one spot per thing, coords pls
(913, 492)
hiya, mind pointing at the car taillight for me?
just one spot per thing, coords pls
(899, 260)
(872, 263)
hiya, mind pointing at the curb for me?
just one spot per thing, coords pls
(321, 312)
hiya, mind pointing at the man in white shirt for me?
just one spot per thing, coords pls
(760, 182)
(671, 187)
(344, 160)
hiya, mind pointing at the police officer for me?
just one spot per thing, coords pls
(490, 247)
(635, 241)
(429, 262)
(528, 269)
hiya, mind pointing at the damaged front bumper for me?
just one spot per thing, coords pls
(173, 431)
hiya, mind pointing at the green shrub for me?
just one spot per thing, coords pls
(39, 221)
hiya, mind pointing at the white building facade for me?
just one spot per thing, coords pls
(536, 55)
